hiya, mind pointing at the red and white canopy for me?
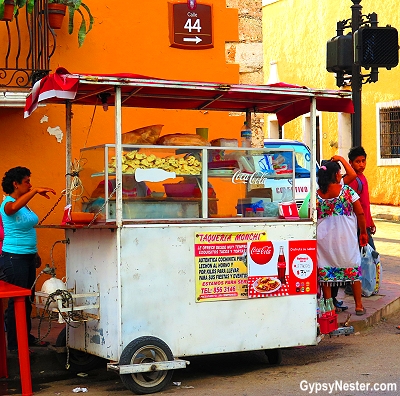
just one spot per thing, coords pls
(285, 100)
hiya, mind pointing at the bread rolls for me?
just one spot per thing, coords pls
(182, 139)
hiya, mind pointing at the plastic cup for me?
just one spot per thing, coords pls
(203, 132)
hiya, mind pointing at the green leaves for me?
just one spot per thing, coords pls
(1, 9)
(29, 5)
(75, 5)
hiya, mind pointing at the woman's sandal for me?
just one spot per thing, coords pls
(341, 308)
(398, 327)
(360, 312)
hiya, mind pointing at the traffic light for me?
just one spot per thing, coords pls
(376, 47)
(339, 54)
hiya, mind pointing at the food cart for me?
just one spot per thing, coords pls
(162, 278)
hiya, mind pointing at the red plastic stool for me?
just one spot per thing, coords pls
(18, 294)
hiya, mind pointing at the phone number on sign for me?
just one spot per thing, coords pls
(218, 289)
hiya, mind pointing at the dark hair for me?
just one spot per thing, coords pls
(16, 174)
(356, 152)
(327, 174)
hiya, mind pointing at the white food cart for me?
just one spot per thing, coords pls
(194, 275)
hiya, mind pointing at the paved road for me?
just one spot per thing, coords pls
(368, 357)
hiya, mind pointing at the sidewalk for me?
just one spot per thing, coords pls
(388, 300)
(386, 212)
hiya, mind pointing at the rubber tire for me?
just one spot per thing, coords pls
(274, 356)
(145, 350)
(78, 360)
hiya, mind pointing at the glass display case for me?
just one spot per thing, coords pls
(176, 182)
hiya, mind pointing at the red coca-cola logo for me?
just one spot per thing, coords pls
(261, 252)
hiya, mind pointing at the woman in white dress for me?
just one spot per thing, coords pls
(338, 212)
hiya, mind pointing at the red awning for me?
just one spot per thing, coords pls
(285, 100)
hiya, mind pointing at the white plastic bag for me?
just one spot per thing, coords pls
(368, 271)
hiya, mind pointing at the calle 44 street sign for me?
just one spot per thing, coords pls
(190, 28)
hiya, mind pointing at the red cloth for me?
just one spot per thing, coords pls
(53, 85)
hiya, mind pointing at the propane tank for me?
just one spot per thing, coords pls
(50, 286)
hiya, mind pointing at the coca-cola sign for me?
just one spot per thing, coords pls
(240, 177)
(261, 252)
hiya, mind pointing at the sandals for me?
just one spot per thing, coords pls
(339, 307)
(398, 327)
(361, 312)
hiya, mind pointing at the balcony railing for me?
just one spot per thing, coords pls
(27, 44)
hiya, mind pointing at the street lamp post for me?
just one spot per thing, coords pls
(356, 79)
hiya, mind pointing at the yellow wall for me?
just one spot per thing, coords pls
(128, 36)
(299, 46)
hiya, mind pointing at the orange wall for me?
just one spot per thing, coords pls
(128, 36)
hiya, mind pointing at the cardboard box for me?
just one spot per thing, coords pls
(261, 192)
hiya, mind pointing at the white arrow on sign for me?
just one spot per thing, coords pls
(194, 39)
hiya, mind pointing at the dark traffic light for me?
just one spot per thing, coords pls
(376, 47)
(339, 54)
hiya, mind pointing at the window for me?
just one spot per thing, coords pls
(275, 131)
(388, 136)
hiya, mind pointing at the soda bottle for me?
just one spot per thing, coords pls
(281, 265)
(322, 308)
(330, 308)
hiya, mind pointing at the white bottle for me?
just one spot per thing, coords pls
(245, 135)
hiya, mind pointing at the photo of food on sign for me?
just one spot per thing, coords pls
(281, 268)
(266, 285)
(282, 163)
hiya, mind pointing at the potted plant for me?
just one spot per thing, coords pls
(58, 8)
(10, 8)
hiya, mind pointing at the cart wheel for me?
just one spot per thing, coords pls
(78, 360)
(274, 356)
(146, 350)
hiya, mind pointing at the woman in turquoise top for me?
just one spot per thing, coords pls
(19, 257)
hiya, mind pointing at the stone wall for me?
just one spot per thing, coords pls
(248, 53)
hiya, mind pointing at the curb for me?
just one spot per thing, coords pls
(390, 217)
(376, 317)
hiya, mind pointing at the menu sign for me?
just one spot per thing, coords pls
(282, 268)
(190, 27)
(221, 264)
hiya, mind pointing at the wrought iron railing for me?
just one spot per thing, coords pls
(27, 44)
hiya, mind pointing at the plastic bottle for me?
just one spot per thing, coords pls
(249, 212)
(322, 308)
(259, 212)
(245, 135)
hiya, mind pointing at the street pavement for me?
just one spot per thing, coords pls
(45, 366)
